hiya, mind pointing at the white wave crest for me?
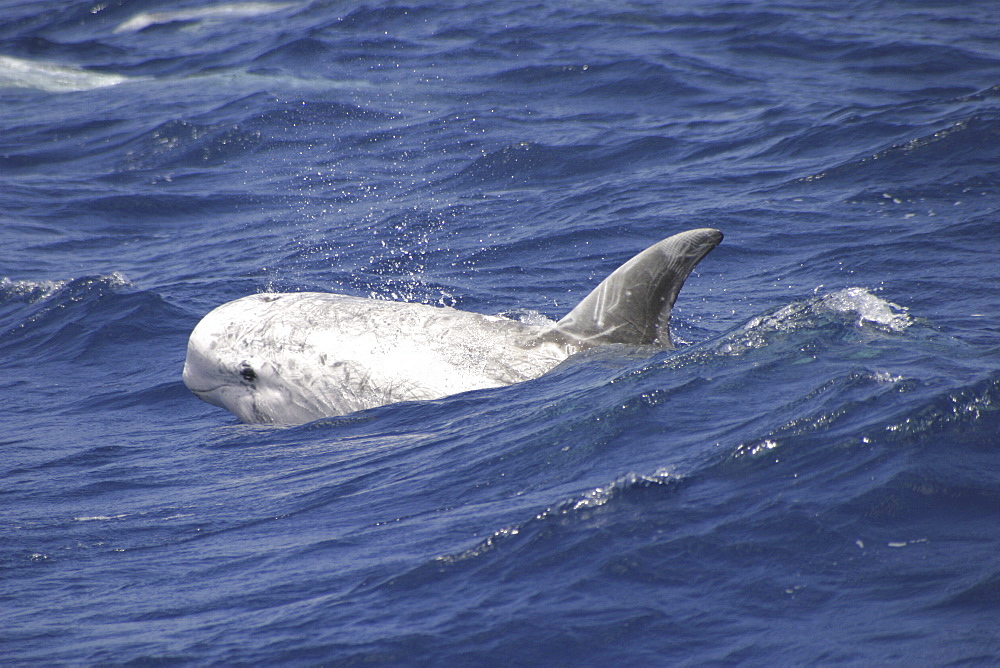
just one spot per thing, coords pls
(858, 302)
(36, 291)
(29, 291)
(868, 308)
(219, 12)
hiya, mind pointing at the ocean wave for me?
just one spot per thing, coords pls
(863, 308)
(73, 288)
(809, 477)
(179, 143)
(12, 291)
(571, 510)
(83, 318)
(904, 451)
(959, 142)
(852, 313)
(913, 59)
(529, 163)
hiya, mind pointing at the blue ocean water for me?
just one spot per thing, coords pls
(811, 477)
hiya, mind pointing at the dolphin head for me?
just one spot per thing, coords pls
(239, 388)
(230, 364)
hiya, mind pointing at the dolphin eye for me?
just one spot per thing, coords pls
(248, 373)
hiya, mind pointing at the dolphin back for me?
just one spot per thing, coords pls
(633, 304)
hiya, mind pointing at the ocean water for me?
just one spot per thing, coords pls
(811, 477)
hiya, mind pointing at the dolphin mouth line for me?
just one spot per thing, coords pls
(199, 391)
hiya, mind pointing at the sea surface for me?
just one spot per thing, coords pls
(811, 477)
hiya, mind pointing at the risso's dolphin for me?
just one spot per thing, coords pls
(295, 357)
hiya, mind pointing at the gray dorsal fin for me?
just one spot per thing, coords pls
(633, 304)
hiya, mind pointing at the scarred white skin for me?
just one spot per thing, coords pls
(295, 357)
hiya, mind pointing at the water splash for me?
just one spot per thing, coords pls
(862, 305)
(27, 291)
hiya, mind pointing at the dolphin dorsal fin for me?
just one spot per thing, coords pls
(633, 304)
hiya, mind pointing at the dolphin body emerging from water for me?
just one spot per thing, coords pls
(290, 358)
